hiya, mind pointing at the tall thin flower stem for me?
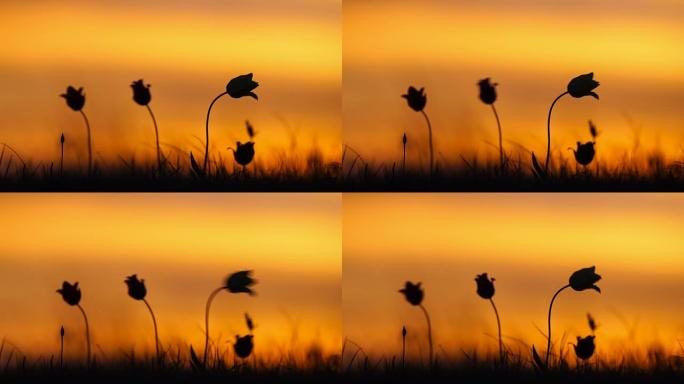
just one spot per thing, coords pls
(403, 351)
(548, 133)
(403, 168)
(156, 134)
(61, 157)
(156, 333)
(498, 124)
(61, 348)
(206, 323)
(548, 342)
(498, 324)
(206, 144)
(429, 141)
(87, 332)
(429, 324)
(90, 143)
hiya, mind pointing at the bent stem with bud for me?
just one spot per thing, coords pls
(206, 143)
(548, 133)
(429, 126)
(156, 135)
(90, 145)
(498, 124)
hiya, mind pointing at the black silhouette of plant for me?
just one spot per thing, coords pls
(137, 291)
(485, 289)
(142, 96)
(403, 347)
(592, 323)
(488, 96)
(71, 294)
(584, 153)
(61, 347)
(585, 347)
(416, 100)
(414, 294)
(580, 280)
(580, 86)
(61, 157)
(236, 88)
(75, 99)
(238, 282)
(243, 346)
(404, 140)
(250, 130)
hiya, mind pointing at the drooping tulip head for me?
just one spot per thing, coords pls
(413, 293)
(485, 286)
(75, 99)
(240, 282)
(141, 92)
(416, 99)
(583, 85)
(585, 347)
(585, 278)
(243, 346)
(487, 91)
(136, 287)
(244, 153)
(70, 293)
(585, 152)
(242, 86)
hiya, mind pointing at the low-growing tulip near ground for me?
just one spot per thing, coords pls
(142, 96)
(488, 96)
(75, 99)
(414, 294)
(416, 100)
(485, 289)
(71, 294)
(138, 291)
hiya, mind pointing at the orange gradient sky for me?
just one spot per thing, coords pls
(183, 246)
(531, 49)
(530, 243)
(187, 51)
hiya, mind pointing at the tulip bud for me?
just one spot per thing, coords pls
(585, 153)
(61, 331)
(585, 279)
(416, 99)
(485, 286)
(75, 99)
(61, 139)
(583, 85)
(244, 154)
(487, 91)
(141, 92)
(240, 282)
(242, 86)
(243, 346)
(585, 347)
(404, 139)
(403, 331)
(71, 294)
(412, 293)
(136, 287)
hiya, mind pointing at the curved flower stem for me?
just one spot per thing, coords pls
(61, 159)
(429, 140)
(87, 332)
(156, 134)
(548, 133)
(206, 144)
(156, 333)
(548, 342)
(498, 124)
(498, 324)
(429, 324)
(206, 323)
(90, 145)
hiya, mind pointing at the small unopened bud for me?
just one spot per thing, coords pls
(61, 139)
(404, 139)
(403, 331)
(61, 331)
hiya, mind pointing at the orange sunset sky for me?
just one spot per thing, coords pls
(187, 51)
(532, 49)
(183, 246)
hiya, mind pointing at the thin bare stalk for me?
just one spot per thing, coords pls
(429, 141)
(156, 333)
(206, 323)
(429, 324)
(90, 145)
(156, 134)
(498, 324)
(61, 157)
(87, 332)
(548, 342)
(548, 133)
(498, 124)
(206, 144)
(61, 348)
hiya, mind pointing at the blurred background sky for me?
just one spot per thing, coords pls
(532, 49)
(530, 243)
(187, 51)
(184, 246)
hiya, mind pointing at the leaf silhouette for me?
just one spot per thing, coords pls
(195, 362)
(537, 169)
(196, 167)
(537, 360)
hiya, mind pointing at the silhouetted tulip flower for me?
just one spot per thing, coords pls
(413, 293)
(244, 154)
(487, 91)
(136, 287)
(485, 289)
(70, 293)
(584, 153)
(243, 346)
(242, 86)
(416, 100)
(585, 347)
(580, 86)
(141, 92)
(485, 286)
(236, 88)
(585, 278)
(583, 85)
(580, 280)
(238, 282)
(75, 99)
